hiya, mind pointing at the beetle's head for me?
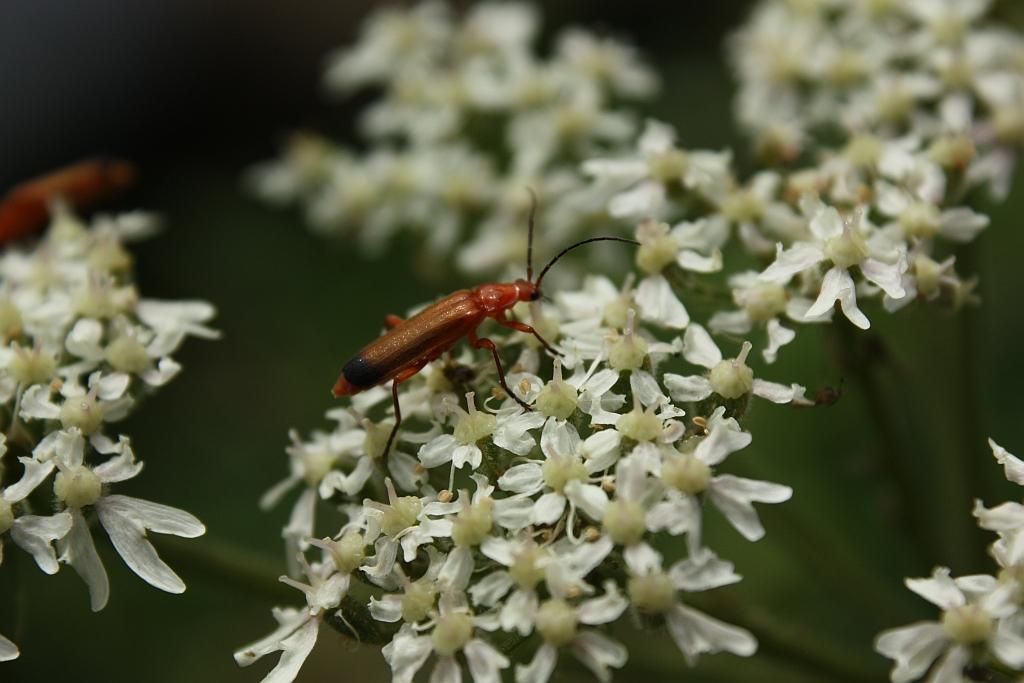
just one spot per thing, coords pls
(526, 290)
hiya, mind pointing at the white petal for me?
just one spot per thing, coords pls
(463, 455)
(84, 339)
(519, 612)
(730, 322)
(36, 403)
(1008, 646)
(549, 508)
(490, 589)
(457, 569)
(699, 348)
(837, 285)
(778, 336)
(559, 439)
(78, 550)
(703, 570)
(513, 434)
(887, 276)
(35, 534)
(696, 633)
(687, 389)
(166, 369)
(525, 478)
(388, 609)
(698, 263)
(34, 474)
(589, 498)
(1013, 467)
(598, 652)
(513, 513)
(733, 496)
(9, 650)
(1003, 518)
(294, 651)
(658, 303)
(540, 668)
(642, 559)
(827, 223)
(485, 662)
(776, 393)
(724, 438)
(791, 262)
(914, 648)
(437, 451)
(940, 589)
(406, 653)
(163, 519)
(605, 609)
(446, 671)
(962, 224)
(128, 534)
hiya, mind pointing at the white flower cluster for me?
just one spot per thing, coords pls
(80, 350)
(468, 118)
(982, 624)
(487, 522)
(488, 525)
(933, 73)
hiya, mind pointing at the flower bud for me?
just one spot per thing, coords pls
(624, 521)
(451, 632)
(653, 593)
(556, 622)
(77, 487)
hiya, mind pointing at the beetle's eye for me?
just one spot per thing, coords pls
(534, 295)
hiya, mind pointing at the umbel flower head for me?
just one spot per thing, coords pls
(555, 512)
(81, 349)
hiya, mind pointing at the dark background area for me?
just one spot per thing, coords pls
(194, 92)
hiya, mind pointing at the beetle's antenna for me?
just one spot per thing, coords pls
(529, 238)
(579, 244)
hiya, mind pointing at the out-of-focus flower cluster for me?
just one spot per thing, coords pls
(487, 522)
(80, 349)
(935, 74)
(982, 624)
(468, 117)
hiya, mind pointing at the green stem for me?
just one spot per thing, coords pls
(968, 474)
(859, 361)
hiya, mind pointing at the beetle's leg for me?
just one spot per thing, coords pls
(392, 320)
(484, 343)
(523, 327)
(399, 378)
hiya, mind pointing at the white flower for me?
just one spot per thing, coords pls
(655, 170)
(973, 611)
(844, 243)
(557, 621)
(298, 628)
(563, 476)
(728, 378)
(454, 630)
(689, 476)
(762, 303)
(653, 591)
(126, 520)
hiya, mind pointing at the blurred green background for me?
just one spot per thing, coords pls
(194, 92)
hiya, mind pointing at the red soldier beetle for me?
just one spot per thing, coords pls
(408, 345)
(25, 209)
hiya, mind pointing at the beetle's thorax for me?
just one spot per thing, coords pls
(504, 295)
